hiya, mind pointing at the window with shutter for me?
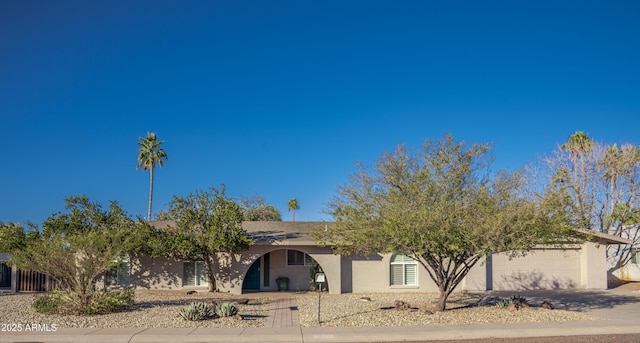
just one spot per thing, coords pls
(404, 271)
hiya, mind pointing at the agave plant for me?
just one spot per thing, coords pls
(226, 309)
(196, 311)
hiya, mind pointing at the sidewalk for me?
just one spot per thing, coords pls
(618, 310)
(340, 334)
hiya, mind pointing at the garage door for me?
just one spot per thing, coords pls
(538, 269)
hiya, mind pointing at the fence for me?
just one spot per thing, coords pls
(28, 281)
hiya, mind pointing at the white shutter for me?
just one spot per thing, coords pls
(410, 274)
(396, 275)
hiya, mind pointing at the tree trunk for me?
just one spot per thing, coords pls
(293, 215)
(442, 301)
(209, 263)
(150, 193)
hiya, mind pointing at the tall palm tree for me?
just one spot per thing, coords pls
(293, 206)
(150, 154)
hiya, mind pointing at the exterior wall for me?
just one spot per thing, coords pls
(156, 273)
(629, 272)
(593, 266)
(478, 278)
(577, 267)
(538, 269)
(373, 274)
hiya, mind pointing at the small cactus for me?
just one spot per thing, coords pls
(196, 311)
(227, 309)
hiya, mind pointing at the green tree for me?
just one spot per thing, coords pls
(75, 248)
(13, 237)
(292, 207)
(150, 154)
(207, 224)
(255, 209)
(441, 207)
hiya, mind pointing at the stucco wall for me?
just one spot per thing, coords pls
(156, 273)
(593, 266)
(538, 269)
(373, 274)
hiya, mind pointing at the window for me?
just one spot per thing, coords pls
(119, 275)
(194, 274)
(635, 256)
(404, 271)
(298, 258)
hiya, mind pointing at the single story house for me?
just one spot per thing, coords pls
(288, 250)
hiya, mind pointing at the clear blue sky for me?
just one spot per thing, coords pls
(281, 98)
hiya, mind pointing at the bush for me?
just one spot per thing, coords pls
(111, 301)
(196, 311)
(99, 302)
(48, 303)
(516, 300)
(227, 309)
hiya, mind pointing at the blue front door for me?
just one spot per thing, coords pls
(252, 279)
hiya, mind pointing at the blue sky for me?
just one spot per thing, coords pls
(281, 98)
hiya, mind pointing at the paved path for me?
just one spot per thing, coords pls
(283, 313)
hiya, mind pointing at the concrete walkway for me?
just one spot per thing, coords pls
(620, 312)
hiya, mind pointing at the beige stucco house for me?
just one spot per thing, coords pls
(287, 249)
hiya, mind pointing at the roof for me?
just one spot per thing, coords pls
(283, 233)
(605, 238)
(272, 232)
(300, 233)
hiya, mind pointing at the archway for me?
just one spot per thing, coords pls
(294, 264)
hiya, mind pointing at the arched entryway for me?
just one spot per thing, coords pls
(292, 266)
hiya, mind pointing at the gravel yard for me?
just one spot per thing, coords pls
(152, 309)
(350, 310)
(155, 309)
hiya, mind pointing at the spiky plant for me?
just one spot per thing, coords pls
(226, 309)
(196, 311)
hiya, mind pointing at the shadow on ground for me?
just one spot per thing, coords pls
(570, 300)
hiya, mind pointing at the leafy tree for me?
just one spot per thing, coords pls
(255, 209)
(602, 183)
(12, 237)
(292, 206)
(441, 207)
(207, 224)
(150, 154)
(76, 248)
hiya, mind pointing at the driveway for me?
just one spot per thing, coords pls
(614, 304)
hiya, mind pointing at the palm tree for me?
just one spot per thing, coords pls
(149, 154)
(293, 206)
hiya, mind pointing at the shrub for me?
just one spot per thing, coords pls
(99, 302)
(516, 300)
(48, 303)
(196, 311)
(111, 301)
(504, 302)
(227, 309)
